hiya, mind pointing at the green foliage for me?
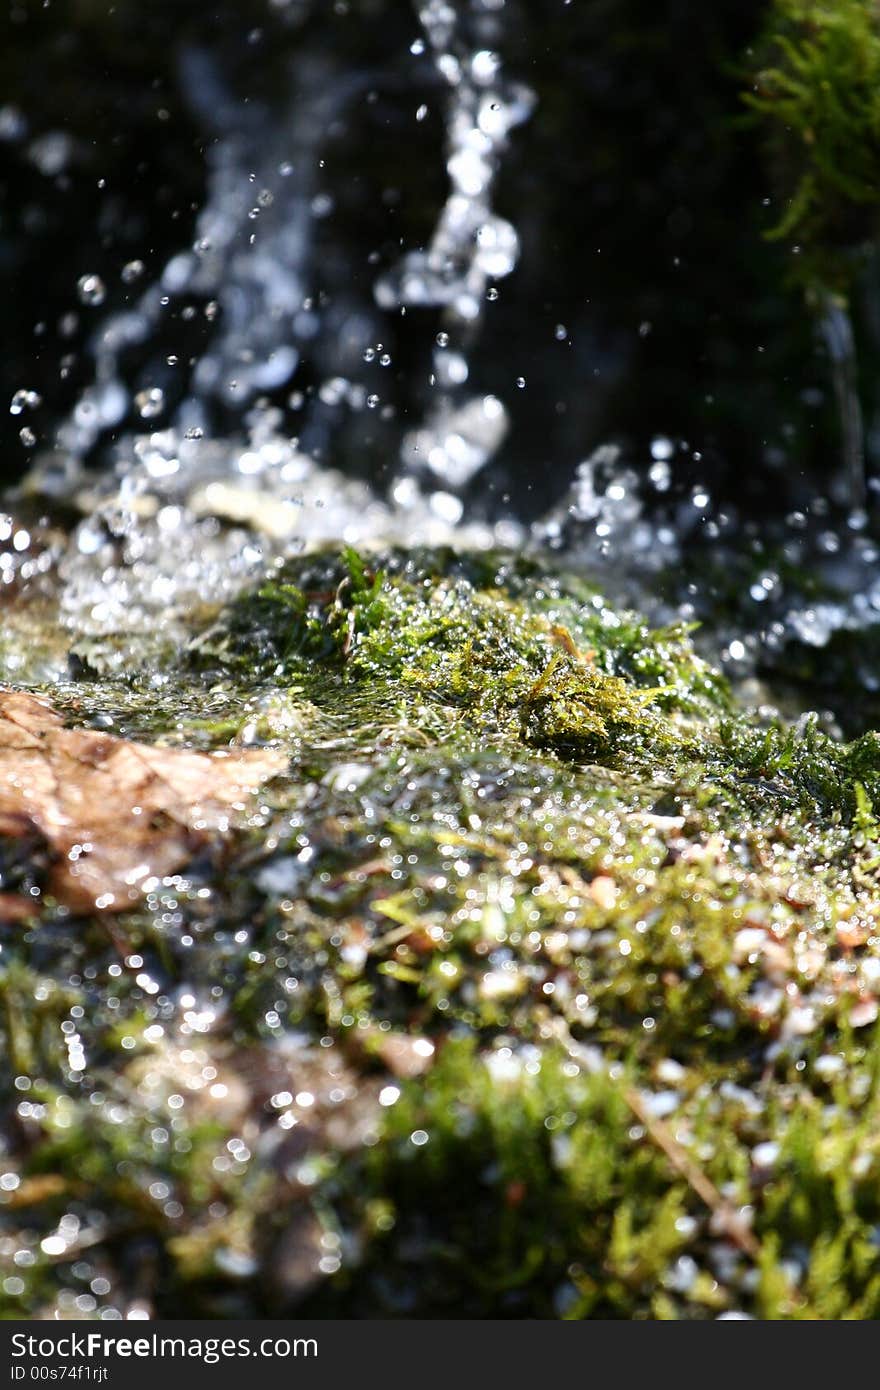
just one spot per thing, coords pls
(815, 75)
(531, 1189)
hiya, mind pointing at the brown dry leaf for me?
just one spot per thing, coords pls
(113, 812)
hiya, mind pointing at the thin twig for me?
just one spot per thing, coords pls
(726, 1219)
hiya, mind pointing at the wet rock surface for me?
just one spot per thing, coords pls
(541, 980)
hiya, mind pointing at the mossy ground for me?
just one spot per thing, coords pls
(544, 984)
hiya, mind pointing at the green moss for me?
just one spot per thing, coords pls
(816, 89)
(573, 936)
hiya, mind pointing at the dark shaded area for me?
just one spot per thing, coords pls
(636, 190)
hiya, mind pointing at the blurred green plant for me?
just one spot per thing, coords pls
(815, 89)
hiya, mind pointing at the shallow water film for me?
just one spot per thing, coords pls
(440, 660)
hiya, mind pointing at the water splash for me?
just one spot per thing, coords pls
(471, 245)
(836, 331)
(248, 267)
(186, 509)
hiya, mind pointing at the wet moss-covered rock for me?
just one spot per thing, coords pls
(543, 983)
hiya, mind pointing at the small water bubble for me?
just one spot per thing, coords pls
(661, 447)
(13, 125)
(172, 359)
(497, 247)
(385, 359)
(442, 340)
(492, 294)
(27, 437)
(660, 475)
(485, 65)
(521, 381)
(150, 402)
(452, 368)
(24, 400)
(422, 112)
(91, 290)
(372, 402)
(132, 271)
(194, 432)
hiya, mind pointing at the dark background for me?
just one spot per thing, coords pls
(636, 188)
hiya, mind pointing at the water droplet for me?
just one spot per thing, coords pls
(91, 290)
(150, 402)
(421, 113)
(132, 271)
(24, 400)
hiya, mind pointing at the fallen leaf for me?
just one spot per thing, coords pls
(114, 813)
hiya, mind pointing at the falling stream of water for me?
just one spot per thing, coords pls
(159, 527)
(470, 248)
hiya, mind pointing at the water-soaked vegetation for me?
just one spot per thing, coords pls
(410, 927)
(541, 982)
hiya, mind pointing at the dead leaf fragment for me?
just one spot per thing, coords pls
(114, 813)
(863, 1013)
(603, 891)
(14, 908)
(403, 1055)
